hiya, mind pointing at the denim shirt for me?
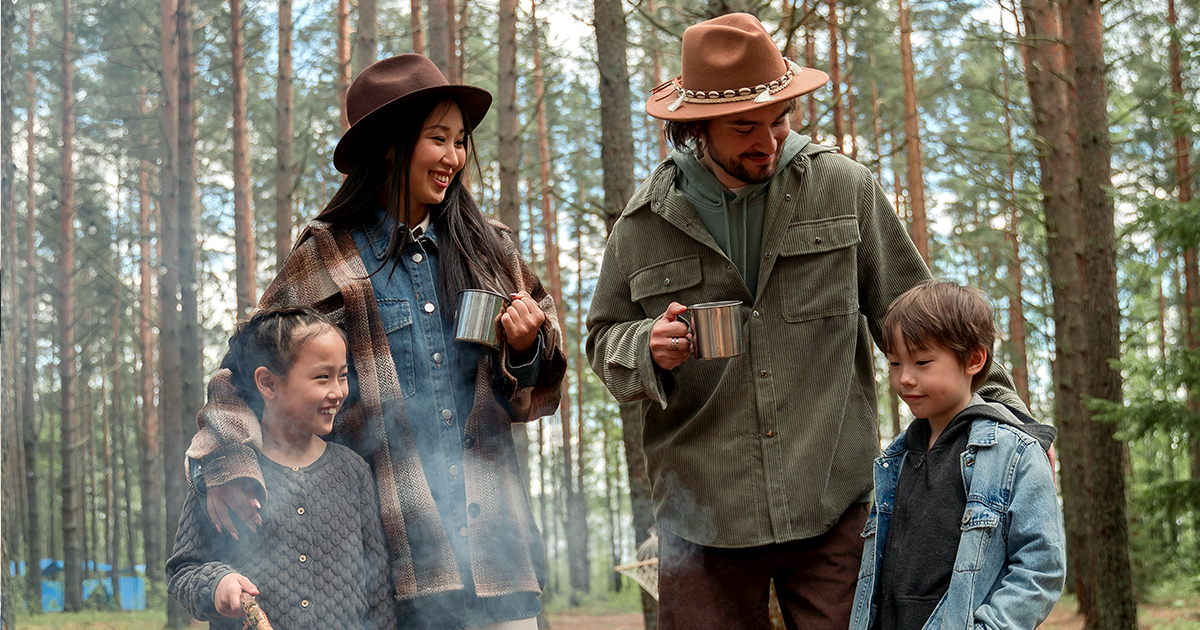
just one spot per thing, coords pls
(1010, 567)
(437, 379)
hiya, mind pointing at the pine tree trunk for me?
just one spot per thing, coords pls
(366, 49)
(417, 27)
(8, 319)
(508, 153)
(439, 44)
(343, 56)
(1116, 604)
(451, 70)
(461, 49)
(171, 391)
(850, 117)
(810, 60)
(71, 490)
(243, 215)
(112, 523)
(912, 137)
(835, 76)
(29, 432)
(150, 460)
(656, 67)
(1016, 301)
(284, 131)
(581, 496)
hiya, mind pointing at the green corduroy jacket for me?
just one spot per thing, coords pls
(775, 444)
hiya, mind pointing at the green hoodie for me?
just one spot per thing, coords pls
(735, 220)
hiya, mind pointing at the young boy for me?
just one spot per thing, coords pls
(966, 530)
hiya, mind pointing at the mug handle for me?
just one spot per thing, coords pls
(692, 332)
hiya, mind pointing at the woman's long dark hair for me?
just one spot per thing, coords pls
(471, 254)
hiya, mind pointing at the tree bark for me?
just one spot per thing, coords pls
(451, 70)
(243, 214)
(343, 56)
(656, 68)
(810, 60)
(150, 460)
(72, 499)
(439, 43)
(1116, 605)
(366, 50)
(418, 28)
(29, 433)
(508, 153)
(8, 318)
(835, 76)
(1016, 301)
(912, 137)
(285, 133)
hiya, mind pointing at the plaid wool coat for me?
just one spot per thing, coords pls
(325, 270)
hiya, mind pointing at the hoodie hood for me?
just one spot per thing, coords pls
(735, 220)
(983, 408)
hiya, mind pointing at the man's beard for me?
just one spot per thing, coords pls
(749, 174)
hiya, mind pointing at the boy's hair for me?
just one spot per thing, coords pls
(940, 312)
(271, 338)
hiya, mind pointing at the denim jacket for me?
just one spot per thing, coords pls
(1011, 562)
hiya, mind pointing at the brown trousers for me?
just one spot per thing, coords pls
(702, 588)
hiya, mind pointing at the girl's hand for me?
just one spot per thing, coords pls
(228, 596)
(521, 321)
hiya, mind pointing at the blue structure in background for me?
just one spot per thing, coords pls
(133, 587)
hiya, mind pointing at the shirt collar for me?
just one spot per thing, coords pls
(379, 234)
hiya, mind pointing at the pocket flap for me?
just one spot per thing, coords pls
(395, 314)
(979, 516)
(814, 237)
(665, 277)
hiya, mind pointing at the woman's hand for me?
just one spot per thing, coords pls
(228, 596)
(522, 320)
(237, 496)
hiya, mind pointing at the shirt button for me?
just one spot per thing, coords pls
(762, 373)
(304, 603)
(728, 267)
(429, 307)
(454, 471)
(770, 434)
(666, 281)
(447, 414)
(300, 510)
(437, 358)
(755, 313)
(817, 240)
(462, 531)
(468, 441)
(418, 258)
(303, 558)
(767, 255)
(473, 509)
(787, 197)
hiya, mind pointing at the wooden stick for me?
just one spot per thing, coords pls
(255, 617)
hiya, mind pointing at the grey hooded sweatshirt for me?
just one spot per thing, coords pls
(735, 220)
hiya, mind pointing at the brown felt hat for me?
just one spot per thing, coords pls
(730, 65)
(379, 98)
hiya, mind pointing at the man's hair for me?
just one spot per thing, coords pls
(689, 135)
(942, 313)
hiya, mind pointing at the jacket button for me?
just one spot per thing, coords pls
(300, 511)
(447, 414)
(417, 258)
(787, 197)
(756, 314)
(967, 517)
(817, 241)
(473, 509)
(304, 603)
(429, 307)
(762, 373)
(462, 531)
(666, 281)
(767, 255)
(770, 434)
(454, 471)
(303, 558)
(468, 441)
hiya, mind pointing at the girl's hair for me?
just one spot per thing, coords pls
(271, 338)
(471, 256)
(942, 313)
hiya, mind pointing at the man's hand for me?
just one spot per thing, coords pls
(521, 321)
(670, 343)
(239, 497)
(228, 596)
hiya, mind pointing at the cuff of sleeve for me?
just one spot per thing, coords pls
(527, 373)
(206, 600)
(648, 370)
(235, 462)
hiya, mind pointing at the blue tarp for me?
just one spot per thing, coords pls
(133, 593)
(51, 566)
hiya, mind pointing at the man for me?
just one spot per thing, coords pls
(760, 464)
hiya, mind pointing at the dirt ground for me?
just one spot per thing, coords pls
(567, 621)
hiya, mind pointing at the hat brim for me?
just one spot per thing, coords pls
(369, 135)
(807, 80)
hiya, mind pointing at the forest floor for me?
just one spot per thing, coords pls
(1179, 614)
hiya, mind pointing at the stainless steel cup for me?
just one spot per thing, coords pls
(716, 329)
(478, 316)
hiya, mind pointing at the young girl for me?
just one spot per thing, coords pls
(386, 259)
(317, 558)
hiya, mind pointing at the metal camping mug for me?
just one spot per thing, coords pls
(478, 316)
(716, 329)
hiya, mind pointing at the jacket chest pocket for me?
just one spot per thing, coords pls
(817, 269)
(397, 323)
(980, 527)
(656, 286)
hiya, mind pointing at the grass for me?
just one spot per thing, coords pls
(95, 620)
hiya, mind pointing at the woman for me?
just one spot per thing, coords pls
(386, 259)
